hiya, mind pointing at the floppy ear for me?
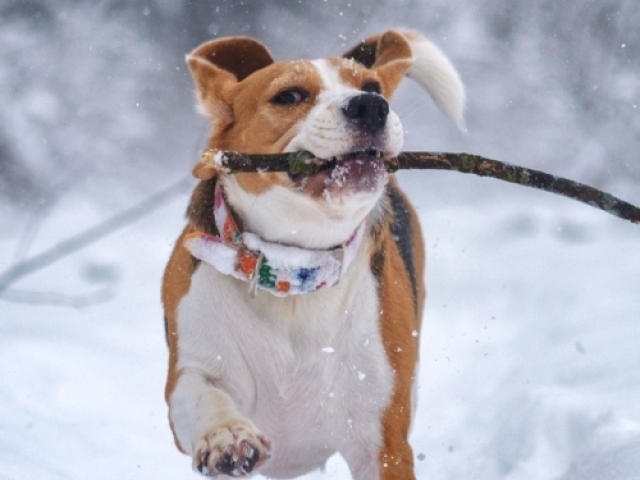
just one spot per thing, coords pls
(217, 67)
(203, 171)
(428, 66)
(389, 54)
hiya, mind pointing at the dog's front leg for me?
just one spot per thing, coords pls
(209, 427)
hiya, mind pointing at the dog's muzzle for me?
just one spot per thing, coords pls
(368, 111)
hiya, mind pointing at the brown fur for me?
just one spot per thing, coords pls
(245, 120)
(399, 318)
(175, 285)
(178, 272)
(388, 54)
(236, 93)
(397, 321)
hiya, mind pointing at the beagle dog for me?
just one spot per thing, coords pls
(293, 302)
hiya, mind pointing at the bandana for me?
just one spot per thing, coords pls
(281, 270)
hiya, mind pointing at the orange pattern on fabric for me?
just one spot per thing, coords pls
(248, 262)
(283, 286)
(228, 230)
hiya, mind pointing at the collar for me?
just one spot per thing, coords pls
(282, 270)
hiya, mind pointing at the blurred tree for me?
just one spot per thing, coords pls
(103, 84)
(16, 184)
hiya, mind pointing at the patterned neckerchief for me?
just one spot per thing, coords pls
(279, 269)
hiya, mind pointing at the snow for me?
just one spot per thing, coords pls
(531, 335)
(219, 160)
(284, 256)
(215, 252)
(529, 349)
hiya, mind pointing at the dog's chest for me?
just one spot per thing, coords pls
(310, 370)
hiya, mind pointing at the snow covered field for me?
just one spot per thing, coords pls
(530, 352)
(530, 349)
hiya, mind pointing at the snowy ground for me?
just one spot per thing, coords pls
(531, 345)
(530, 350)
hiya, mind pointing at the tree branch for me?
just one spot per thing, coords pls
(81, 240)
(306, 163)
(33, 224)
(57, 299)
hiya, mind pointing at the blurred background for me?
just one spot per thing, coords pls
(97, 113)
(98, 91)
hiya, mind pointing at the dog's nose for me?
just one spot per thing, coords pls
(368, 111)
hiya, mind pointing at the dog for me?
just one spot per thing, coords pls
(293, 302)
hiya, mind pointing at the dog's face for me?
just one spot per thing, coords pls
(335, 108)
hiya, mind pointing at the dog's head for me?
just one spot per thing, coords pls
(336, 108)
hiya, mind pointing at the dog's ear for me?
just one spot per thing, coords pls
(217, 67)
(389, 54)
(400, 52)
(203, 171)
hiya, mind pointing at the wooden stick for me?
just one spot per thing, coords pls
(485, 167)
(305, 163)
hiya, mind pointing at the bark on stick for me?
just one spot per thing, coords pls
(306, 163)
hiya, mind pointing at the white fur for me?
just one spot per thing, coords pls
(292, 218)
(333, 86)
(325, 131)
(435, 73)
(309, 371)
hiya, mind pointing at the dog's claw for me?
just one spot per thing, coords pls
(227, 465)
(252, 455)
(236, 464)
(202, 464)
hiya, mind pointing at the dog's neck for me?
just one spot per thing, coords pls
(282, 216)
(283, 270)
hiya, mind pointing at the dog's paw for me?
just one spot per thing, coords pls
(234, 449)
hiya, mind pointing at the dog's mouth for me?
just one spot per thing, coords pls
(359, 171)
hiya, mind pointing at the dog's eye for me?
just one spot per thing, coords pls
(371, 87)
(290, 97)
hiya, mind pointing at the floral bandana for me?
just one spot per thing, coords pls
(279, 269)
